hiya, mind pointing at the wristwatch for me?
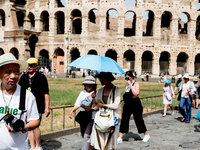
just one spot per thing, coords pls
(25, 130)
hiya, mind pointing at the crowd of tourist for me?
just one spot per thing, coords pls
(100, 128)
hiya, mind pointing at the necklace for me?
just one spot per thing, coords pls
(7, 106)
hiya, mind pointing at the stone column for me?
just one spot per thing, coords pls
(139, 26)
(27, 23)
(155, 62)
(37, 23)
(121, 26)
(173, 63)
(138, 60)
(102, 31)
(84, 25)
(157, 27)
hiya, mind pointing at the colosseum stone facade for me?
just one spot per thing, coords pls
(58, 33)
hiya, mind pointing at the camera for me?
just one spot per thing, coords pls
(16, 124)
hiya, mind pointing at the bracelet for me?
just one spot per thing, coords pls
(93, 97)
(47, 107)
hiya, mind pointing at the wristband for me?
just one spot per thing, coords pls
(25, 130)
(47, 107)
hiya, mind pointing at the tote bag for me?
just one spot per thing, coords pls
(104, 118)
(104, 121)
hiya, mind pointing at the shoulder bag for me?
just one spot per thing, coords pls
(105, 120)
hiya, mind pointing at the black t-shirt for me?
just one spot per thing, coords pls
(38, 85)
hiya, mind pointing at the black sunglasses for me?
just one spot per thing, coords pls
(31, 65)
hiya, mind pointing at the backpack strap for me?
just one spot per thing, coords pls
(22, 100)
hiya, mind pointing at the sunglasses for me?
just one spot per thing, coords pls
(126, 78)
(31, 65)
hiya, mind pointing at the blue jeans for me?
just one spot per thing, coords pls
(185, 102)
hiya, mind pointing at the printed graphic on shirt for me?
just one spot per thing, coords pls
(29, 88)
(13, 111)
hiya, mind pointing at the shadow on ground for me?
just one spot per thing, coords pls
(131, 135)
(51, 145)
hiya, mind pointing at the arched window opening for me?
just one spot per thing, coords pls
(130, 3)
(15, 52)
(1, 51)
(32, 42)
(182, 63)
(198, 6)
(112, 20)
(44, 60)
(76, 22)
(61, 3)
(183, 23)
(45, 21)
(147, 58)
(92, 52)
(20, 19)
(20, 3)
(74, 55)
(129, 60)
(112, 54)
(129, 24)
(148, 19)
(2, 18)
(59, 60)
(166, 20)
(32, 19)
(197, 64)
(60, 23)
(164, 62)
(197, 34)
(93, 17)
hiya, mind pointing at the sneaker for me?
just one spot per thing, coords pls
(38, 148)
(172, 113)
(164, 115)
(32, 149)
(119, 140)
(146, 138)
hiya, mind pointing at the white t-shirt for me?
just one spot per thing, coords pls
(18, 140)
(86, 99)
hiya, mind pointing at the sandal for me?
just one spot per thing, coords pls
(183, 119)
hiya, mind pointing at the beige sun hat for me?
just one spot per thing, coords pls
(186, 75)
(9, 58)
(195, 80)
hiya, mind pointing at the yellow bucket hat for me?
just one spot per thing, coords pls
(32, 61)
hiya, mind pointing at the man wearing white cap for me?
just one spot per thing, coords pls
(11, 105)
(36, 83)
(178, 82)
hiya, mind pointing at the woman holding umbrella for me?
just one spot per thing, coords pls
(132, 106)
(110, 96)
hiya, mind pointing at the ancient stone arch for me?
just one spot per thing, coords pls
(84, 25)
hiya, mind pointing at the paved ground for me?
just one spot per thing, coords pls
(167, 133)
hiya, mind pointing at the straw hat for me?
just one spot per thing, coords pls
(9, 58)
(195, 80)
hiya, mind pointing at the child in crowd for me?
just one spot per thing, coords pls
(167, 97)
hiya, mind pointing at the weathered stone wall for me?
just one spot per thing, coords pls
(96, 36)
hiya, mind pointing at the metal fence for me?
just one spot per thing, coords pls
(149, 104)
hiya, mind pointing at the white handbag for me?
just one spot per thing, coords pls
(103, 121)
